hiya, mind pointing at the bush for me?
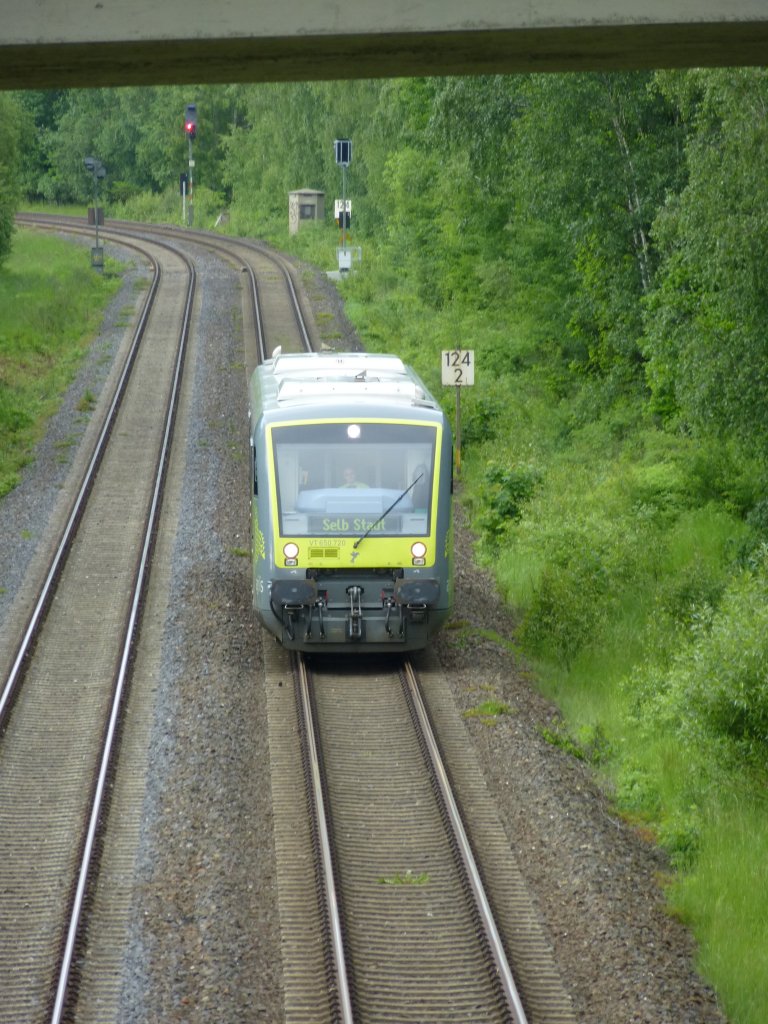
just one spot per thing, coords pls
(714, 694)
(504, 492)
(725, 681)
(681, 597)
(569, 609)
(149, 207)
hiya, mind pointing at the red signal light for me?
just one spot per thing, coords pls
(190, 120)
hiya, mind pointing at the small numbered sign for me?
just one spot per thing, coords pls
(458, 368)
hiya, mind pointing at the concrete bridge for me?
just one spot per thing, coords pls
(68, 43)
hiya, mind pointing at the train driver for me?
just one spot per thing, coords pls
(350, 478)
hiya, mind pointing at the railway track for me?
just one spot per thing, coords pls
(63, 697)
(68, 680)
(416, 926)
(277, 313)
(430, 965)
(421, 940)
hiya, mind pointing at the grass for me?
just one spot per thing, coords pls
(618, 544)
(87, 402)
(50, 305)
(405, 878)
(723, 901)
(489, 711)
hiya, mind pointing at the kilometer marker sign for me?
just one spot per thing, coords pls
(458, 367)
(458, 371)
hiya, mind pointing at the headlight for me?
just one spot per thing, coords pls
(291, 552)
(418, 551)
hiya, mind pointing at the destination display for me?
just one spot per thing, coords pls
(343, 525)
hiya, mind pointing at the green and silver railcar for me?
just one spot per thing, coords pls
(351, 483)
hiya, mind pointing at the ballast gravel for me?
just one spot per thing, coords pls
(204, 937)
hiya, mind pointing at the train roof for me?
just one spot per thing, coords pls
(320, 380)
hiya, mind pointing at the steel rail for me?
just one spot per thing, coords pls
(296, 305)
(211, 241)
(120, 683)
(261, 338)
(483, 906)
(226, 245)
(65, 542)
(317, 798)
(91, 833)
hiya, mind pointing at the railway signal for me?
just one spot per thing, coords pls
(342, 149)
(190, 128)
(98, 172)
(190, 121)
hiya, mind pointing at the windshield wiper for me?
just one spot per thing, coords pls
(385, 514)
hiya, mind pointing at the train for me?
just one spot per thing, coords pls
(351, 492)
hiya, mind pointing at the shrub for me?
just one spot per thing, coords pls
(714, 694)
(568, 611)
(680, 835)
(637, 790)
(682, 596)
(726, 679)
(504, 492)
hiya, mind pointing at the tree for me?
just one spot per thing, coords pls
(284, 141)
(595, 154)
(10, 133)
(706, 337)
(136, 133)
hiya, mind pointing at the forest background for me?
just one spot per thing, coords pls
(601, 242)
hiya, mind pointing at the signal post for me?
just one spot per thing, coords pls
(190, 128)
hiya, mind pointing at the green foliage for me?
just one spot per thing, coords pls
(637, 791)
(50, 300)
(10, 139)
(725, 900)
(591, 744)
(284, 141)
(164, 207)
(598, 153)
(721, 684)
(489, 711)
(705, 340)
(136, 132)
(569, 610)
(599, 240)
(680, 835)
(406, 878)
(505, 491)
(711, 691)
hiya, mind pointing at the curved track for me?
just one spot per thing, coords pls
(67, 682)
(407, 937)
(63, 695)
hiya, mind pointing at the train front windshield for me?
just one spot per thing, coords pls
(344, 478)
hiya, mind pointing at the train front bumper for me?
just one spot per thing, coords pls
(401, 614)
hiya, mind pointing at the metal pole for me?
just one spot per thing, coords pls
(458, 430)
(343, 208)
(96, 206)
(191, 165)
